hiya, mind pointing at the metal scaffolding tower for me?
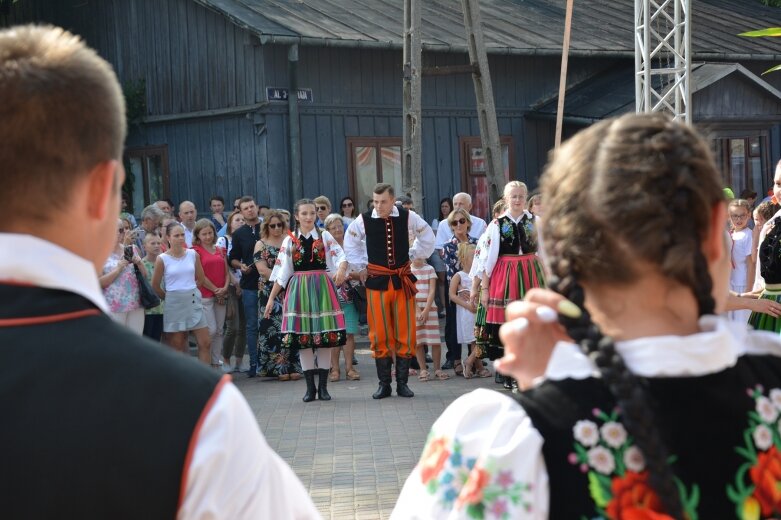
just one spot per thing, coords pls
(663, 57)
(412, 181)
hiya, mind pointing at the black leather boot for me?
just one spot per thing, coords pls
(311, 391)
(384, 375)
(402, 375)
(508, 382)
(322, 387)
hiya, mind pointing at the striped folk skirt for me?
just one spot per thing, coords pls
(311, 314)
(511, 278)
(761, 321)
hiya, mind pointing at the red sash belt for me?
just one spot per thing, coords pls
(401, 277)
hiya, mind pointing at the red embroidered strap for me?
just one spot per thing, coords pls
(53, 318)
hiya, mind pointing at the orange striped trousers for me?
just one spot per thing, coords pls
(391, 317)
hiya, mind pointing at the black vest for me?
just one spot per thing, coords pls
(514, 237)
(308, 254)
(387, 244)
(704, 422)
(95, 420)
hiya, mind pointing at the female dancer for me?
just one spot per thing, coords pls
(274, 359)
(181, 270)
(312, 320)
(508, 266)
(628, 421)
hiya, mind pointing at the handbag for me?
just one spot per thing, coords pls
(149, 300)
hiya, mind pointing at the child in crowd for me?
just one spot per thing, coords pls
(460, 285)
(153, 318)
(427, 330)
(742, 275)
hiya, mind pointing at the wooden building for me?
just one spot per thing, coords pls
(216, 75)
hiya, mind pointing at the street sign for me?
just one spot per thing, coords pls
(282, 94)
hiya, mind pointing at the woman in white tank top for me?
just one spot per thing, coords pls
(180, 270)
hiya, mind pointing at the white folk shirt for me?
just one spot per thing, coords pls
(283, 267)
(355, 239)
(445, 233)
(234, 473)
(494, 429)
(489, 250)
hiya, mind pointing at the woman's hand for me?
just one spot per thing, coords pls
(531, 332)
(764, 306)
(267, 310)
(122, 264)
(339, 278)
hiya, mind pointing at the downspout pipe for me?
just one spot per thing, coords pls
(294, 127)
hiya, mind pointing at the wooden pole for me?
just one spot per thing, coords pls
(563, 77)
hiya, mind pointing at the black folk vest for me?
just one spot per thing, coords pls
(721, 431)
(96, 421)
(387, 244)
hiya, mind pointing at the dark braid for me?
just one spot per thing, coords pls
(630, 392)
(637, 189)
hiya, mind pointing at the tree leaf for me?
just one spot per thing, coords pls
(772, 69)
(770, 31)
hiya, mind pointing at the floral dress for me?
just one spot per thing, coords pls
(274, 358)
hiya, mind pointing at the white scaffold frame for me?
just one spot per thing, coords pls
(663, 57)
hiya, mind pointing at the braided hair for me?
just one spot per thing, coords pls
(298, 204)
(637, 190)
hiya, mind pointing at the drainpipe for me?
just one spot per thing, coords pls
(294, 127)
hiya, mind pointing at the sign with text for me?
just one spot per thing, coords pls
(282, 94)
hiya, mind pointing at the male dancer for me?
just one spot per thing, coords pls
(121, 428)
(378, 245)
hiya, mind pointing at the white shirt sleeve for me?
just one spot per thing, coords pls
(478, 227)
(490, 253)
(283, 265)
(235, 474)
(481, 452)
(355, 245)
(423, 245)
(334, 254)
(444, 234)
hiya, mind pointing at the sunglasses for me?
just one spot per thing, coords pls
(275, 226)
(347, 205)
(458, 222)
(322, 208)
(236, 207)
(121, 230)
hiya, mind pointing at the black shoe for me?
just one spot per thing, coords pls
(322, 388)
(413, 364)
(384, 375)
(311, 391)
(508, 383)
(448, 365)
(428, 359)
(402, 376)
(355, 361)
(253, 371)
(498, 378)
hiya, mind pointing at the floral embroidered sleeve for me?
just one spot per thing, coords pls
(492, 468)
(283, 265)
(334, 254)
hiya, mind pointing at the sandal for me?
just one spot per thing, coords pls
(459, 368)
(335, 375)
(468, 371)
(441, 376)
(423, 376)
(284, 377)
(483, 372)
(413, 372)
(295, 376)
(353, 375)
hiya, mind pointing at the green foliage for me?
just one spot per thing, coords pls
(771, 3)
(764, 33)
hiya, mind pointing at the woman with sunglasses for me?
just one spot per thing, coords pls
(460, 222)
(119, 283)
(347, 211)
(274, 358)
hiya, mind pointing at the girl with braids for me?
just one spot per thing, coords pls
(312, 319)
(634, 388)
(508, 266)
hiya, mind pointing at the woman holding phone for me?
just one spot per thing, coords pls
(119, 283)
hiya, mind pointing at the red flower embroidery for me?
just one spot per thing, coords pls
(332, 337)
(472, 492)
(433, 459)
(304, 339)
(766, 475)
(634, 499)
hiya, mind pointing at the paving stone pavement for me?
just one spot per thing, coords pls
(341, 449)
